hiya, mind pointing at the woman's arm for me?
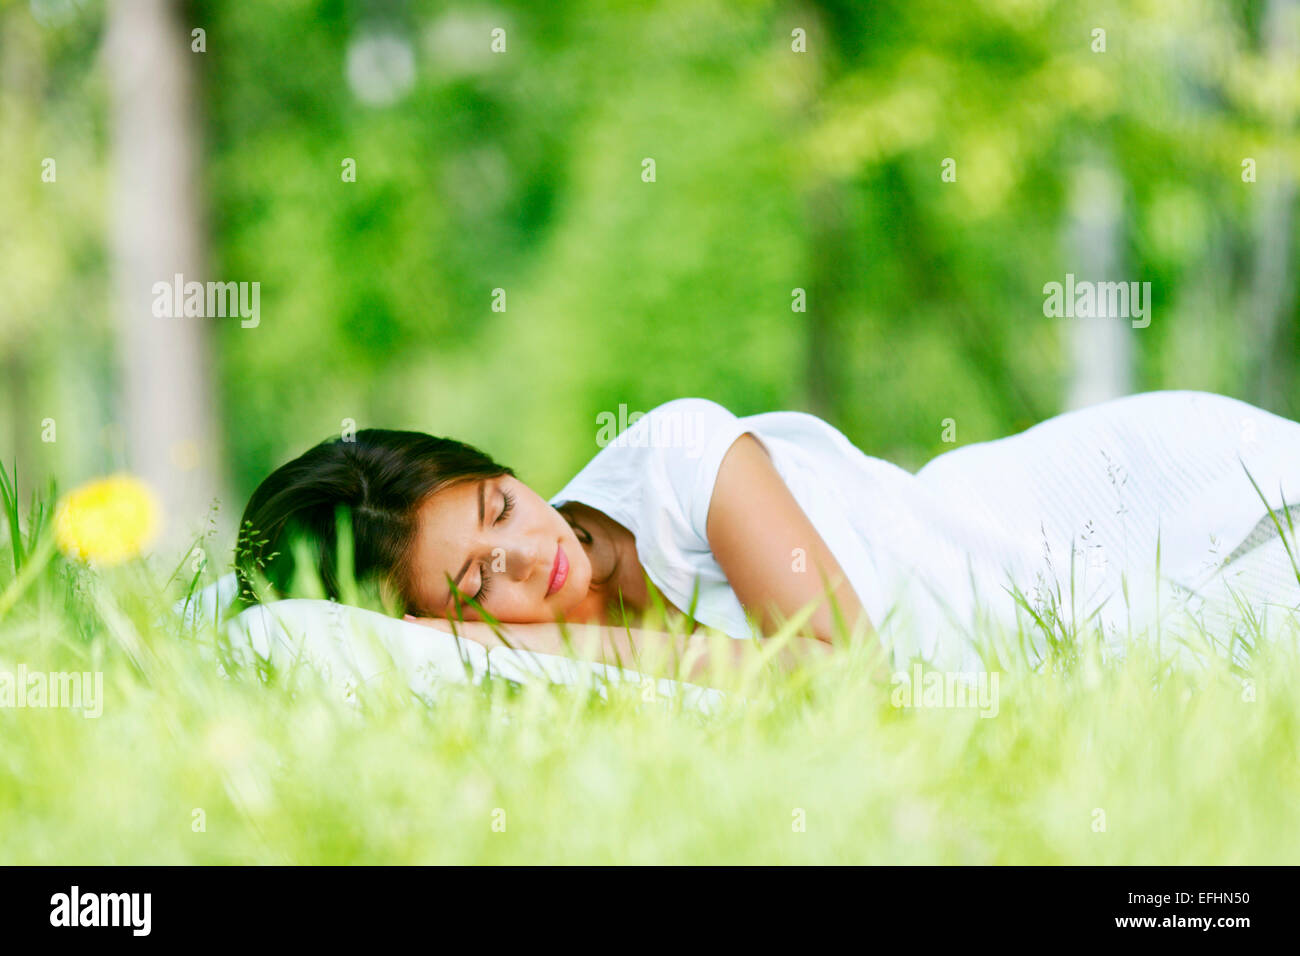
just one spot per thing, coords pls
(688, 657)
(773, 557)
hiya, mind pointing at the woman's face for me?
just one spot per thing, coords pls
(502, 545)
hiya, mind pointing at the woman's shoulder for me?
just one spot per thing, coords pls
(682, 424)
(656, 462)
(687, 410)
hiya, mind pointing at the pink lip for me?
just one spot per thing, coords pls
(559, 572)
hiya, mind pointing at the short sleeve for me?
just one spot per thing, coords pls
(715, 430)
(687, 439)
(656, 478)
(661, 468)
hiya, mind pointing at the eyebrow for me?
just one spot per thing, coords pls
(465, 567)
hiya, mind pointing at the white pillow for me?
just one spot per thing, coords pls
(349, 646)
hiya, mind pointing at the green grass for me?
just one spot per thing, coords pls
(1187, 767)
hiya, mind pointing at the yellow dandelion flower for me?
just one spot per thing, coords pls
(107, 521)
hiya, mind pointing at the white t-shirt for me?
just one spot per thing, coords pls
(657, 477)
(1073, 506)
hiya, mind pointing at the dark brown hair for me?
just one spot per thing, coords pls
(379, 478)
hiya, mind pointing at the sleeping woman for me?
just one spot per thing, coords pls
(744, 524)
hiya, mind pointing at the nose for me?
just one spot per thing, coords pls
(525, 560)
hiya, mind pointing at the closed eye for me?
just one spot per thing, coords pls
(508, 505)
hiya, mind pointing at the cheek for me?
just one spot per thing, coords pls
(575, 589)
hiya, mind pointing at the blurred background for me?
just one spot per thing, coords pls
(852, 210)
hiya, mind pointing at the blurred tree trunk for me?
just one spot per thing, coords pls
(1271, 313)
(1100, 359)
(166, 401)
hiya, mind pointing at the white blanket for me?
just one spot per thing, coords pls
(1078, 505)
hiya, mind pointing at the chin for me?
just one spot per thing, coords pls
(567, 603)
(566, 606)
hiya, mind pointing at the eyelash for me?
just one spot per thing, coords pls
(483, 571)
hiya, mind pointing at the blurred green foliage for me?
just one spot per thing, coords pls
(775, 170)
